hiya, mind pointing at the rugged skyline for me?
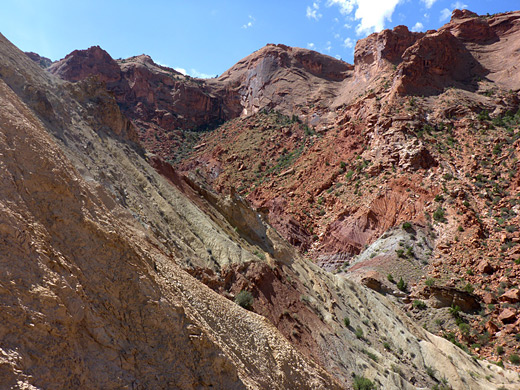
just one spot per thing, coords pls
(205, 38)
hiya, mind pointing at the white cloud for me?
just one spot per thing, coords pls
(250, 23)
(200, 75)
(372, 14)
(348, 42)
(337, 36)
(338, 57)
(418, 27)
(345, 6)
(428, 3)
(445, 14)
(311, 46)
(194, 73)
(459, 5)
(312, 12)
(328, 46)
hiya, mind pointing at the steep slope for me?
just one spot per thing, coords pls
(92, 299)
(345, 178)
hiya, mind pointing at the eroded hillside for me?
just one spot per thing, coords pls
(383, 208)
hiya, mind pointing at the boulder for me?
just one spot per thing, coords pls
(484, 267)
(442, 296)
(507, 316)
(512, 296)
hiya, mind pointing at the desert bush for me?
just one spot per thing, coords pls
(429, 282)
(362, 383)
(419, 304)
(244, 299)
(401, 285)
(514, 359)
(438, 215)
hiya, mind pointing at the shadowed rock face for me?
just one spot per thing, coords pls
(44, 62)
(81, 64)
(276, 76)
(388, 45)
(145, 91)
(434, 62)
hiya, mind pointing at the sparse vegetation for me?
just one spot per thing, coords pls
(438, 215)
(362, 383)
(370, 355)
(430, 371)
(244, 299)
(419, 304)
(401, 285)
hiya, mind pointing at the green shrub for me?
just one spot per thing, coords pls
(439, 198)
(370, 355)
(362, 383)
(429, 282)
(514, 359)
(401, 285)
(419, 304)
(359, 332)
(346, 321)
(483, 115)
(454, 311)
(407, 226)
(244, 299)
(438, 215)
(464, 328)
(500, 350)
(390, 278)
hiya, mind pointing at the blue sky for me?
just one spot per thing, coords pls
(205, 37)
